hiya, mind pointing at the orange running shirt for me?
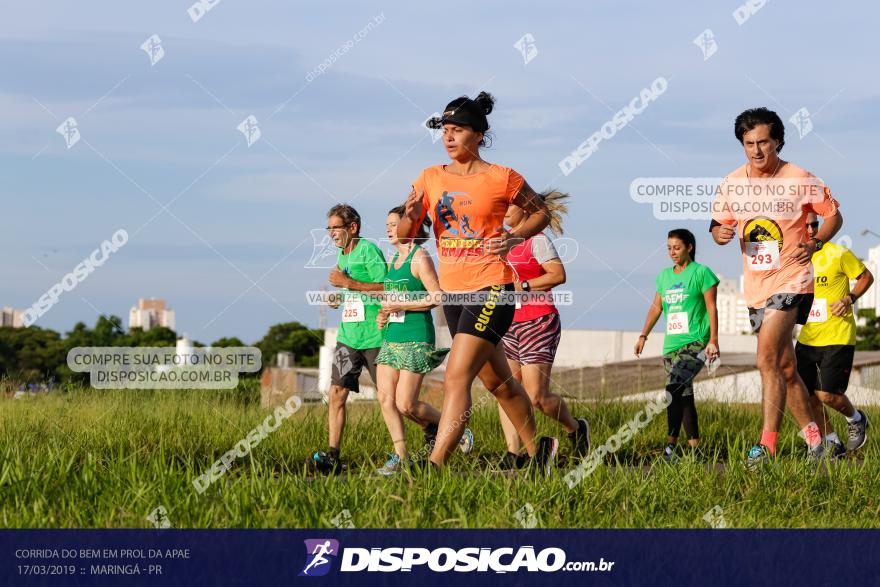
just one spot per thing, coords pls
(465, 211)
(771, 220)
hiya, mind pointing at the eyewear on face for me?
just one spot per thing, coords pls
(813, 225)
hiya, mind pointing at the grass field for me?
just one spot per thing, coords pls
(85, 458)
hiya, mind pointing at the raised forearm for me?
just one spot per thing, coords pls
(830, 227)
(864, 281)
(534, 224)
(355, 285)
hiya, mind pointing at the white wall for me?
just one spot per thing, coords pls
(592, 348)
(746, 388)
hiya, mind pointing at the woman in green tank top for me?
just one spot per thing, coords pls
(408, 352)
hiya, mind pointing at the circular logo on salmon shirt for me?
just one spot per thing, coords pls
(762, 229)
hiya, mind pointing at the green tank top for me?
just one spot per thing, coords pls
(416, 326)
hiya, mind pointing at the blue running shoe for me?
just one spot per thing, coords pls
(759, 455)
(391, 467)
(466, 444)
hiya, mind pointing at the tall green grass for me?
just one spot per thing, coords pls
(86, 458)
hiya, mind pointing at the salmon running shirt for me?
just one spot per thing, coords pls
(465, 211)
(771, 220)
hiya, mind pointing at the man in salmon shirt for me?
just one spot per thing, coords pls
(765, 203)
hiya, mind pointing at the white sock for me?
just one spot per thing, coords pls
(833, 438)
(855, 417)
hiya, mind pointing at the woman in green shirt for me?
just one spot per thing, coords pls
(408, 351)
(686, 294)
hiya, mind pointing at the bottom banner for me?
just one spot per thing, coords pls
(338, 557)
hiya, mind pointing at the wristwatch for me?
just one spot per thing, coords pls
(525, 286)
(818, 243)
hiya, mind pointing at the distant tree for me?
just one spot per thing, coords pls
(36, 354)
(293, 337)
(227, 341)
(32, 354)
(156, 336)
(79, 336)
(108, 331)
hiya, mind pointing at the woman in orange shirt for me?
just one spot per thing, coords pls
(467, 200)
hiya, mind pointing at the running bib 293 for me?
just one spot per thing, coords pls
(763, 255)
(819, 311)
(677, 323)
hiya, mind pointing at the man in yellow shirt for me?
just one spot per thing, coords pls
(826, 345)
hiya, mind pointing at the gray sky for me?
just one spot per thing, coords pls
(152, 135)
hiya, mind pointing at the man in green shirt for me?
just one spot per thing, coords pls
(360, 267)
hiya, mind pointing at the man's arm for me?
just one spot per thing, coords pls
(863, 282)
(340, 279)
(830, 227)
(722, 233)
(356, 285)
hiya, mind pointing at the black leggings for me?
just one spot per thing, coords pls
(682, 410)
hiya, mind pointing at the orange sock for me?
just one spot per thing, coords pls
(768, 439)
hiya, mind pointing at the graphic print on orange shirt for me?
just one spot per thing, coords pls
(465, 241)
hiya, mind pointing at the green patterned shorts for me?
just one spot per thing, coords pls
(416, 357)
(683, 365)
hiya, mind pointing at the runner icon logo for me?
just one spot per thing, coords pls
(343, 360)
(319, 554)
(707, 44)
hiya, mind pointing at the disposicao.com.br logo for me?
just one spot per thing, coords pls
(442, 560)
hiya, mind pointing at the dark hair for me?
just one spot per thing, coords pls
(422, 234)
(486, 102)
(687, 237)
(480, 107)
(348, 215)
(757, 116)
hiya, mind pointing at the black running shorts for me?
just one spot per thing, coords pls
(783, 301)
(489, 320)
(825, 368)
(348, 364)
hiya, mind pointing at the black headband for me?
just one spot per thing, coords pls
(463, 112)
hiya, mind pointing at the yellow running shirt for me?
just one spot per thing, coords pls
(833, 267)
